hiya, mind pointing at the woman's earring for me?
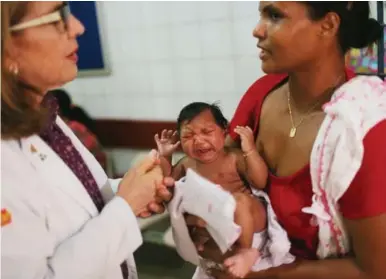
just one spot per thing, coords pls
(13, 69)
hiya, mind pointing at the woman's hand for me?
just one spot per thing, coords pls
(164, 194)
(205, 245)
(197, 231)
(143, 187)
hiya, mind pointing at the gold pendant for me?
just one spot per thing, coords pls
(292, 132)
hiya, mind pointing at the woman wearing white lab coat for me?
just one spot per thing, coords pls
(51, 226)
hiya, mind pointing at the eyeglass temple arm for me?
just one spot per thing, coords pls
(55, 16)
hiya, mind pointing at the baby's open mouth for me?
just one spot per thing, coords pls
(202, 150)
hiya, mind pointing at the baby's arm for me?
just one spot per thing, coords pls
(249, 163)
(179, 169)
(166, 166)
(167, 144)
(253, 168)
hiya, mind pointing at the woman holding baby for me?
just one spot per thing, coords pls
(322, 134)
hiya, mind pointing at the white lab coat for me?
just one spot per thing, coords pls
(56, 231)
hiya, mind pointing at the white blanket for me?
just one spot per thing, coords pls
(200, 197)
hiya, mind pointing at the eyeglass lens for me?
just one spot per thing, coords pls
(65, 13)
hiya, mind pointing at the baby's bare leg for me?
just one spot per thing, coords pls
(250, 215)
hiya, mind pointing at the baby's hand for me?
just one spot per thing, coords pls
(168, 143)
(247, 139)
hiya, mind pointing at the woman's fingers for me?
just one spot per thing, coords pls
(201, 223)
(164, 194)
(164, 190)
(145, 188)
(152, 208)
(139, 186)
(148, 163)
(156, 207)
(145, 214)
(199, 237)
(190, 220)
(197, 231)
(168, 182)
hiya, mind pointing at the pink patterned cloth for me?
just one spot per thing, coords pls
(337, 155)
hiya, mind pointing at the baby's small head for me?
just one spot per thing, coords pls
(202, 129)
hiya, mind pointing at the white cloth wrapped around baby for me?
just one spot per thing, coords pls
(198, 196)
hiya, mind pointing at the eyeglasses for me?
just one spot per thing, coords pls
(62, 14)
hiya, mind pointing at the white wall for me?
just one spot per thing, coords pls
(164, 55)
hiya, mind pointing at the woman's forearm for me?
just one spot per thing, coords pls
(322, 269)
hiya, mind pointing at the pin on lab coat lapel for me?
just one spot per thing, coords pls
(55, 172)
(60, 201)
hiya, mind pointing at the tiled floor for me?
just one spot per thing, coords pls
(155, 260)
(165, 272)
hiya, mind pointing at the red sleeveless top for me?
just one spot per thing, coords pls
(365, 197)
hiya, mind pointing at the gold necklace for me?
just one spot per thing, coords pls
(294, 127)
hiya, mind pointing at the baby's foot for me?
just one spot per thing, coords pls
(240, 264)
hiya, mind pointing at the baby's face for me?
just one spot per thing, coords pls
(201, 138)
